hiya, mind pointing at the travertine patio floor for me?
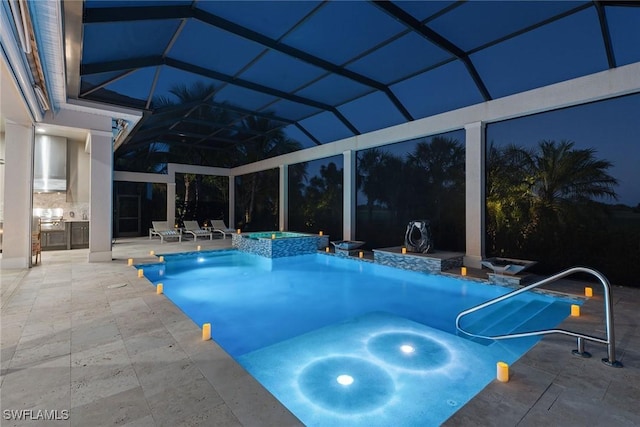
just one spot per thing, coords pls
(73, 338)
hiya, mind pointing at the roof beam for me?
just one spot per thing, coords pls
(219, 125)
(153, 61)
(277, 46)
(606, 36)
(409, 21)
(121, 65)
(111, 14)
(307, 133)
(106, 83)
(100, 15)
(260, 88)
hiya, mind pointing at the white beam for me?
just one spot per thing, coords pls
(283, 200)
(171, 203)
(594, 87)
(232, 202)
(18, 193)
(155, 178)
(475, 193)
(349, 190)
(101, 203)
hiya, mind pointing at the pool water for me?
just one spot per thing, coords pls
(345, 342)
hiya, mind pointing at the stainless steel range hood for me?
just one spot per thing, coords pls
(50, 164)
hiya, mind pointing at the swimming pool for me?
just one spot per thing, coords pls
(343, 342)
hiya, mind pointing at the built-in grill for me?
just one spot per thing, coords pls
(50, 219)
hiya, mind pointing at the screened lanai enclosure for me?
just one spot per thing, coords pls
(509, 125)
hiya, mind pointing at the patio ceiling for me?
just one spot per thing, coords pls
(323, 71)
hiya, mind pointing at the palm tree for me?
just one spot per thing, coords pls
(563, 176)
(546, 202)
(259, 188)
(439, 169)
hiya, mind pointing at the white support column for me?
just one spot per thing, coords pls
(18, 196)
(101, 204)
(475, 193)
(232, 202)
(349, 190)
(171, 202)
(283, 202)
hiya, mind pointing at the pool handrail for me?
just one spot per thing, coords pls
(609, 340)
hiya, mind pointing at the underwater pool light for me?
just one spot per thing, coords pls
(345, 379)
(407, 349)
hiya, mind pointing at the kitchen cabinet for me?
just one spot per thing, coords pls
(79, 235)
(52, 240)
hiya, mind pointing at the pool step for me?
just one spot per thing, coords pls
(513, 320)
(540, 320)
(484, 319)
(509, 317)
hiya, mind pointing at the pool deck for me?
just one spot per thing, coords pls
(74, 338)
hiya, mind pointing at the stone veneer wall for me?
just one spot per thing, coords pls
(422, 263)
(504, 280)
(278, 248)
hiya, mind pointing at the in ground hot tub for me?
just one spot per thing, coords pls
(277, 244)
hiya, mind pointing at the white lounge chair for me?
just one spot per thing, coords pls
(192, 227)
(218, 226)
(161, 228)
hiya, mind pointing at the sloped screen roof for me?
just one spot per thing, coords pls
(318, 71)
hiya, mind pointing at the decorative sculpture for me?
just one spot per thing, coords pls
(418, 237)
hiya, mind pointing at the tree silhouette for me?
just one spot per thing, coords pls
(545, 203)
(428, 183)
(260, 188)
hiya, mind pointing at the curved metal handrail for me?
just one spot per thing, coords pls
(609, 340)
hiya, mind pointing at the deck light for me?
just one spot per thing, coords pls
(502, 372)
(463, 271)
(588, 292)
(161, 258)
(326, 249)
(404, 251)
(198, 248)
(130, 262)
(159, 288)
(361, 254)
(152, 253)
(206, 332)
(345, 380)
(140, 273)
(575, 310)
(273, 236)
(320, 233)
(239, 231)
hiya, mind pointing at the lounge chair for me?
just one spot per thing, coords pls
(218, 226)
(192, 227)
(161, 228)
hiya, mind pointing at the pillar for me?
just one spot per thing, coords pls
(171, 202)
(349, 190)
(101, 203)
(475, 191)
(18, 196)
(232, 202)
(283, 200)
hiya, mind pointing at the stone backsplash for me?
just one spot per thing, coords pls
(59, 201)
